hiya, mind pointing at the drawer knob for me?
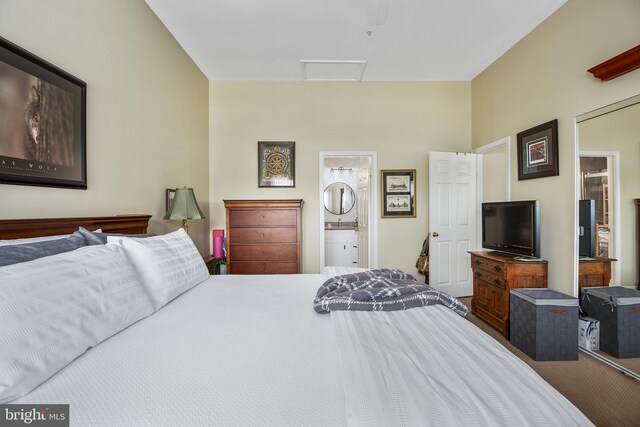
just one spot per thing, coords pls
(261, 234)
(496, 281)
(262, 217)
(497, 269)
(476, 262)
(477, 274)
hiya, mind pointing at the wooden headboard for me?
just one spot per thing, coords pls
(21, 228)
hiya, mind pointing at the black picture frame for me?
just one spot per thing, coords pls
(169, 194)
(276, 164)
(43, 136)
(538, 151)
(398, 188)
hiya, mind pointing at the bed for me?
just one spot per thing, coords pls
(26, 228)
(250, 350)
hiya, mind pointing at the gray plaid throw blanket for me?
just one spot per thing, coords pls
(380, 290)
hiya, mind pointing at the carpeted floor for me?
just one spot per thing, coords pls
(605, 395)
(630, 364)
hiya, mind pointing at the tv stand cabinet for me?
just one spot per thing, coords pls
(493, 277)
(594, 271)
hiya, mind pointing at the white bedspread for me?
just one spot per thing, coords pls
(207, 359)
(250, 350)
(429, 367)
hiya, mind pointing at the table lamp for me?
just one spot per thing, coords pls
(184, 206)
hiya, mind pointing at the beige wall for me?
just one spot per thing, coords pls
(620, 131)
(544, 77)
(494, 179)
(147, 109)
(402, 121)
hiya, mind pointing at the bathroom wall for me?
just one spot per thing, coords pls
(349, 177)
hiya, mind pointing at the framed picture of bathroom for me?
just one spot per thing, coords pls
(398, 193)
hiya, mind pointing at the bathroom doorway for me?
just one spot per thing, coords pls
(348, 209)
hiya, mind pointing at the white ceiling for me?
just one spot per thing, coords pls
(421, 39)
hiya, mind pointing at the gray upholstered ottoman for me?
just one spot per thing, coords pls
(544, 323)
(618, 310)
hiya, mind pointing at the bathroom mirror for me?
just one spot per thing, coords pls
(339, 198)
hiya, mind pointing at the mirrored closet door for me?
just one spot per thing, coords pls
(608, 186)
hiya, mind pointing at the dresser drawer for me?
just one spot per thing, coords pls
(264, 252)
(262, 217)
(262, 235)
(242, 267)
(487, 265)
(491, 278)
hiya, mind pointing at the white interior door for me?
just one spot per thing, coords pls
(364, 174)
(452, 221)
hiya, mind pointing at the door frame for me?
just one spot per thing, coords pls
(373, 201)
(614, 191)
(506, 142)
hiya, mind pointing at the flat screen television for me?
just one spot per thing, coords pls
(587, 228)
(512, 228)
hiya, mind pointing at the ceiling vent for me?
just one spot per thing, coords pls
(332, 71)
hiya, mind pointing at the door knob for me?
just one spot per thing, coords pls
(435, 234)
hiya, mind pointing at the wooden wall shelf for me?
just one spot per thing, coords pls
(618, 65)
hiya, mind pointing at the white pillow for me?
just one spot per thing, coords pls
(53, 309)
(168, 264)
(37, 239)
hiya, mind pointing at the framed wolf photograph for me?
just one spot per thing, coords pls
(42, 122)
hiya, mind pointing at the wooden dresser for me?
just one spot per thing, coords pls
(592, 272)
(493, 277)
(264, 236)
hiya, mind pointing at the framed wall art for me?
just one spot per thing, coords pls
(42, 122)
(169, 194)
(398, 193)
(276, 164)
(538, 151)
